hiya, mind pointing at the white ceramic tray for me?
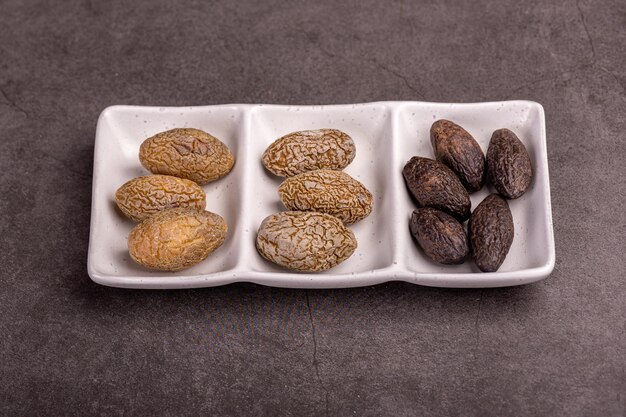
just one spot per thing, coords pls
(386, 134)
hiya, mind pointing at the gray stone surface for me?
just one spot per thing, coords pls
(71, 347)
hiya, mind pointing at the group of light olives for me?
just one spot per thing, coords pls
(322, 200)
(176, 232)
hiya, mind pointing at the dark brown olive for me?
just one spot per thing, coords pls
(491, 233)
(433, 184)
(459, 151)
(508, 164)
(440, 235)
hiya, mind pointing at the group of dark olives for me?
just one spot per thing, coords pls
(441, 187)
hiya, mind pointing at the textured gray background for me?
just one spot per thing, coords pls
(69, 346)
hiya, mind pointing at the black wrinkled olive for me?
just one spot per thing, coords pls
(440, 235)
(433, 184)
(491, 233)
(508, 164)
(459, 151)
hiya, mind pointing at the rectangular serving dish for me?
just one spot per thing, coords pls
(386, 135)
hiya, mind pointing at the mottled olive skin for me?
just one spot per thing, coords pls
(141, 197)
(327, 191)
(305, 241)
(308, 150)
(186, 153)
(440, 235)
(459, 151)
(433, 184)
(175, 239)
(508, 164)
(491, 233)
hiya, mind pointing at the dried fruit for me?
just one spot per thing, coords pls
(308, 150)
(433, 184)
(508, 164)
(175, 239)
(141, 197)
(440, 235)
(327, 191)
(491, 233)
(186, 153)
(459, 151)
(305, 241)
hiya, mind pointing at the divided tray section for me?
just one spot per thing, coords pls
(370, 128)
(120, 132)
(386, 135)
(532, 253)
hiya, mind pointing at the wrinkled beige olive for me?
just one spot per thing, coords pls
(305, 241)
(308, 150)
(186, 153)
(141, 197)
(175, 239)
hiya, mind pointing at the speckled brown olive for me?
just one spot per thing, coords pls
(491, 233)
(459, 151)
(327, 191)
(174, 239)
(305, 241)
(508, 164)
(433, 184)
(308, 150)
(186, 153)
(440, 235)
(141, 197)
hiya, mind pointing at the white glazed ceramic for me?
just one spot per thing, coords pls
(386, 134)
